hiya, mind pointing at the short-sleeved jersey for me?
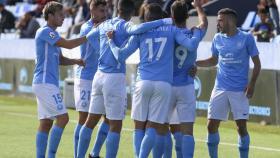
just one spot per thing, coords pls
(156, 51)
(184, 60)
(233, 60)
(89, 53)
(47, 57)
(122, 29)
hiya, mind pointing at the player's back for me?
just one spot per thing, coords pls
(47, 56)
(184, 59)
(107, 62)
(89, 53)
(156, 54)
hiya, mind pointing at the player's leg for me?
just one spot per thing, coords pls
(82, 90)
(114, 91)
(42, 137)
(96, 110)
(240, 110)
(85, 134)
(138, 135)
(177, 135)
(139, 112)
(56, 133)
(186, 103)
(218, 110)
(157, 116)
(100, 137)
(50, 106)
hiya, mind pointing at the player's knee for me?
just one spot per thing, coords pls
(82, 117)
(213, 126)
(242, 131)
(115, 126)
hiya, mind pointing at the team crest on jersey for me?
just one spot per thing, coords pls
(52, 35)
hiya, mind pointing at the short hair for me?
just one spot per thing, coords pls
(51, 8)
(126, 7)
(180, 11)
(152, 12)
(98, 2)
(262, 11)
(2, 5)
(229, 12)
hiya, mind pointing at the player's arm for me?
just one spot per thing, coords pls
(203, 22)
(121, 54)
(212, 61)
(191, 43)
(144, 27)
(67, 61)
(71, 43)
(254, 53)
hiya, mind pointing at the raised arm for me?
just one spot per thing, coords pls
(191, 43)
(203, 22)
(144, 27)
(121, 54)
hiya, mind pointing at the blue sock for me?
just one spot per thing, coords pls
(168, 146)
(76, 138)
(84, 140)
(212, 142)
(159, 145)
(178, 144)
(137, 140)
(112, 144)
(188, 146)
(41, 144)
(55, 137)
(147, 142)
(100, 138)
(243, 144)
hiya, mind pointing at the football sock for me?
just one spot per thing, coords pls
(137, 140)
(188, 145)
(100, 138)
(147, 142)
(243, 145)
(55, 137)
(84, 140)
(212, 143)
(112, 144)
(41, 144)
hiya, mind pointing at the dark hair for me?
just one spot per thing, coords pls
(126, 7)
(2, 5)
(229, 12)
(51, 8)
(98, 2)
(262, 11)
(152, 12)
(180, 11)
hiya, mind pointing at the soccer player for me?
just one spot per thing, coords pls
(231, 50)
(84, 74)
(108, 87)
(46, 77)
(183, 100)
(155, 74)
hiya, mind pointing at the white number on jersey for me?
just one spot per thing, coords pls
(149, 41)
(181, 54)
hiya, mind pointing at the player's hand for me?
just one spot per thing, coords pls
(80, 62)
(196, 3)
(192, 72)
(110, 34)
(249, 91)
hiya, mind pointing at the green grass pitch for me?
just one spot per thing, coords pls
(18, 125)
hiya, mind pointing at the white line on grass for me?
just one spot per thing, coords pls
(131, 130)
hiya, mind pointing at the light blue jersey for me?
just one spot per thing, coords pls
(123, 29)
(233, 63)
(156, 51)
(89, 53)
(184, 60)
(47, 56)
